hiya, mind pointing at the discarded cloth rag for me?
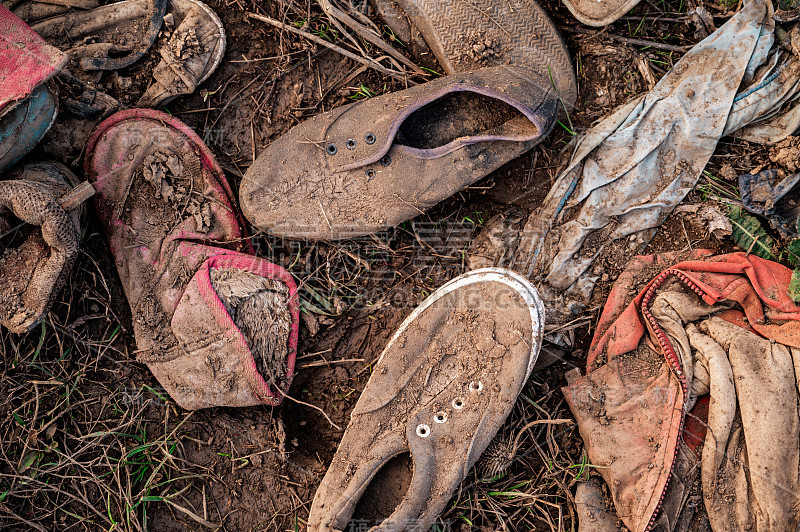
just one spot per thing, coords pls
(630, 170)
(669, 335)
(768, 194)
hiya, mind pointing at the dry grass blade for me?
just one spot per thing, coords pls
(315, 407)
(365, 32)
(194, 516)
(371, 63)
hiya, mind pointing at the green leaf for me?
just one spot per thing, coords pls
(749, 235)
(794, 286)
(312, 308)
(30, 459)
(322, 300)
(793, 251)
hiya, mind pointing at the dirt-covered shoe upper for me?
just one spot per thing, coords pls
(439, 392)
(44, 238)
(373, 164)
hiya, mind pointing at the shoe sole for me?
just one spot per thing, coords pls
(521, 33)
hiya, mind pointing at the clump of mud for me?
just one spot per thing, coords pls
(259, 308)
(172, 179)
(16, 269)
(484, 48)
(186, 45)
(786, 153)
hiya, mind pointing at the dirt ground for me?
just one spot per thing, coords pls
(88, 440)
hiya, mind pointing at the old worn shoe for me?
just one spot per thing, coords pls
(439, 392)
(373, 164)
(193, 52)
(106, 37)
(28, 104)
(216, 325)
(40, 227)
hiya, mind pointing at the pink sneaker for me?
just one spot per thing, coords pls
(216, 325)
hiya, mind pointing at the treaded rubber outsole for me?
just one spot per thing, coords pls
(520, 33)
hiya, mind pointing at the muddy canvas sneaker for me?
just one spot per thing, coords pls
(28, 105)
(216, 326)
(41, 216)
(193, 52)
(378, 162)
(439, 392)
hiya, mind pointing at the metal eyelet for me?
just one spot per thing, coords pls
(386, 160)
(331, 149)
(369, 138)
(423, 430)
(350, 144)
(458, 403)
(475, 386)
(370, 173)
(440, 417)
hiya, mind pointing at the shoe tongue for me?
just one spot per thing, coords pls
(259, 308)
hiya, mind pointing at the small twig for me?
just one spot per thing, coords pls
(329, 362)
(522, 431)
(318, 40)
(315, 407)
(634, 41)
(191, 514)
(485, 14)
(366, 34)
(324, 215)
(410, 204)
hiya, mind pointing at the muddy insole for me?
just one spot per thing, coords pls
(259, 309)
(458, 114)
(384, 493)
(19, 255)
